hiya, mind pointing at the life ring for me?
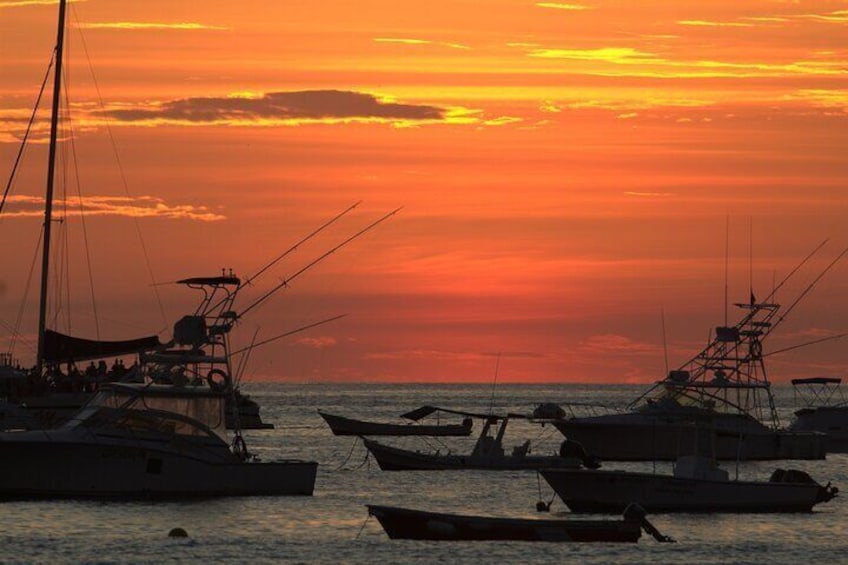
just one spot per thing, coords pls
(225, 382)
(240, 448)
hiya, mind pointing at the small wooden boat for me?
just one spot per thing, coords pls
(488, 454)
(405, 523)
(692, 488)
(342, 426)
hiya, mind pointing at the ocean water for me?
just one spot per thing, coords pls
(332, 526)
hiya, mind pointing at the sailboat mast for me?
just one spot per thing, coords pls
(48, 196)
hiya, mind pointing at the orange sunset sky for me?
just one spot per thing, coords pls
(569, 174)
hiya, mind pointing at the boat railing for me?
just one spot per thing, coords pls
(590, 409)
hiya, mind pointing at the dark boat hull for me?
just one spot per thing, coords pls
(403, 523)
(643, 439)
(57, 465)
(342, 426)
(612, 491)
(394, 459)
(830, 420)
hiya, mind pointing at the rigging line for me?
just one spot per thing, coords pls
(114, 145)
(74, 160)
(805, 344)
(299, 243)
(796, 269)
(19, 319)
(242, 366)
(27, 132)
(14, 334)
(285, 282)
(809, 288)
(288, 333)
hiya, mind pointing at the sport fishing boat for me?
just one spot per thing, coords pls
(697, 485)
(725, 384)
(488, 454)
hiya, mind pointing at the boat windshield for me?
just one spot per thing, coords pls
(728, 399)
(189, 409)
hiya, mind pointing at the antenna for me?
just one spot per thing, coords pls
(494, 383)
(751, 257)
(726, 264)
(665, 345)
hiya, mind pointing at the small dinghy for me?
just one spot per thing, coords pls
(406, 523)
(342, 426)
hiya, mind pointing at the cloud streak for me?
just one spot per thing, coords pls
(280, 108)
(410, 41)
(140, 207)
(23, 3)
(151, 25)
(560, 6)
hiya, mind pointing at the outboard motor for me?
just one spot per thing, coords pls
(548, 411)
(573, 449)
(825, 492)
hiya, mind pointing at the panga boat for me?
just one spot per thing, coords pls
(405, 523)
(696, 486)
(342, 426)
(825, 410)
(143, 441)
(725, 384)
(488, 454)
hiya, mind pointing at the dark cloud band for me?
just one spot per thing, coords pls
(307, 104)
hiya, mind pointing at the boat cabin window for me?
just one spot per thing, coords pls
(205, 409)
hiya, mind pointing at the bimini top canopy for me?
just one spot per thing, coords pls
(817, 381)
(61, 348)
(223, 280)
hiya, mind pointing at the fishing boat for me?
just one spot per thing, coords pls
(163, 436)
(825, 410)
(725, 384)
(405, 523)
(342, 426)
(697, 485)
(488, 454)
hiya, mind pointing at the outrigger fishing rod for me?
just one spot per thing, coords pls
(285, 282)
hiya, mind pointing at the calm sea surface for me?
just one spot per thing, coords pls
(331, 526)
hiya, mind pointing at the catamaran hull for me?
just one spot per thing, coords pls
(101, 470)
(612, 491)
(664, 440)
(395, 459)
